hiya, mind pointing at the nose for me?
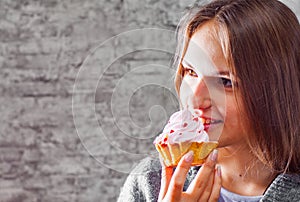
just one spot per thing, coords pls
(201, 95)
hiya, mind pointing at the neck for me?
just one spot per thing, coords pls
(243, 173)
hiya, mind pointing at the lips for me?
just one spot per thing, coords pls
(209, 122)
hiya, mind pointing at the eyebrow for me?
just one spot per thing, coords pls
(185, 63)
(224, 73)
(218, 73)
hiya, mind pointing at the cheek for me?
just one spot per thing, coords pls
(231, 110)
(186, 93)
(231, 113)
(235, 118)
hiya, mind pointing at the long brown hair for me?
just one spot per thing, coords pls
(261, 43)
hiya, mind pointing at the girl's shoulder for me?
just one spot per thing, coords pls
(149, 164)
(285, 187)
(143, 182)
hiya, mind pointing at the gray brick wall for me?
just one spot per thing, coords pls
(53, 151)
(84, 90)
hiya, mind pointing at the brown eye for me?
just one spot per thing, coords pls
(227, 83)
(190, 72)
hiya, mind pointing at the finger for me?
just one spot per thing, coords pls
(205, 194)
(215, 193)
(179, 176)
(201, 186)
(166, 175)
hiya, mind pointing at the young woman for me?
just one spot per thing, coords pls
(250, 95)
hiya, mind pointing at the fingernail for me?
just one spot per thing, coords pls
(189, 157)
(214, 155)
(219, 172)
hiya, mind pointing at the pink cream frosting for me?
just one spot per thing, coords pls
(183, 126)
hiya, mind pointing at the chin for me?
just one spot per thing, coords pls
(215, 134)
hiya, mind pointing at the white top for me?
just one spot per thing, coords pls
(227, 196)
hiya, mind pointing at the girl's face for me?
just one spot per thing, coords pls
(208, 85)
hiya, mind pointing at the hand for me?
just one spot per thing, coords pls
(205, 187)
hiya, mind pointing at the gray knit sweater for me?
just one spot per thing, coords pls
(143, 184)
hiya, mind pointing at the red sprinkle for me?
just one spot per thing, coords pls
(165, 139)
(195, 119)
(164, 145)
(185, 124)
(171, 131)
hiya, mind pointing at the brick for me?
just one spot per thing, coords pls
(8, 31)
(86, 181)
(50, 197)
(16, 195)
(57, 165)
(9, 184)
(50, 30)
(30, 47)
(10, 154)
(37, 182)
(63, 185)
(31, 155)
(9, 140)
(53, 45)
(16, 170)
(5, 167)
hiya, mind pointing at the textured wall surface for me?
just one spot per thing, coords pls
(84, 90)
(45, 153)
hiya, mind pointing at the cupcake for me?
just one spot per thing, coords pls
(184, 132)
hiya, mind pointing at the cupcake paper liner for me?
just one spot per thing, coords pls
(172, 153)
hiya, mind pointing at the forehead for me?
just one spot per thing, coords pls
(204, 51)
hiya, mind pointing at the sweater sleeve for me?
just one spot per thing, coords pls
(143, 183)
